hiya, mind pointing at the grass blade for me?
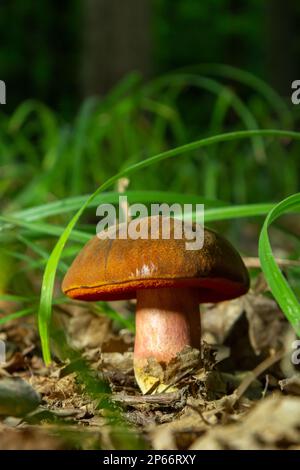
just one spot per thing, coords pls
(74, 203)
(15, 315)
(44, 314)
(279, 286)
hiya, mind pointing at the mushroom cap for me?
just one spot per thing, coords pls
(114, 269)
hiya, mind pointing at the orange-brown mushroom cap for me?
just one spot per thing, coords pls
(107, 269)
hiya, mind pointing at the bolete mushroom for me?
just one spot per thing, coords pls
(168, 281)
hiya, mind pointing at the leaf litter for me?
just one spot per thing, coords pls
(242, 392)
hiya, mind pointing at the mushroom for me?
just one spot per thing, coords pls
(167, 280)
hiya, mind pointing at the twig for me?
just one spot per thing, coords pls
(251, 376)
(266, 386)
(178, 378)
(163, 399)
(195, 408)
(252, 262)
(122, 185)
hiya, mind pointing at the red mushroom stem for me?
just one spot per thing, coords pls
(167, 320)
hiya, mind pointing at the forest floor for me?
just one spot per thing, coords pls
(244, 393)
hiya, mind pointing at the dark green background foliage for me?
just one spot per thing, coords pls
(42, 43)
(40, 48)
(61, 54)
(188, 32)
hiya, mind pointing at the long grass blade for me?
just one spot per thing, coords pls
(279, 286)
(44, 314)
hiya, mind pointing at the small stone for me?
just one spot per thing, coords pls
(17, 397)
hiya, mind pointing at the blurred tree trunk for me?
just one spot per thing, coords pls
(282, 36)
(116, 41)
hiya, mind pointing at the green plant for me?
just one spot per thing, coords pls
(53, 163)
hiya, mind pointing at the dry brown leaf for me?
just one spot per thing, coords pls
(267, 324)
(87, 331)
(273, 423)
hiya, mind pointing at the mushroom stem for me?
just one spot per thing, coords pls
(167, 320)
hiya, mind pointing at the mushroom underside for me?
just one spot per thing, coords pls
(209, 289)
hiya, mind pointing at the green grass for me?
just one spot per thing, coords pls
(238, 162)
(44, 314)
(210, 134)
(278, 284)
